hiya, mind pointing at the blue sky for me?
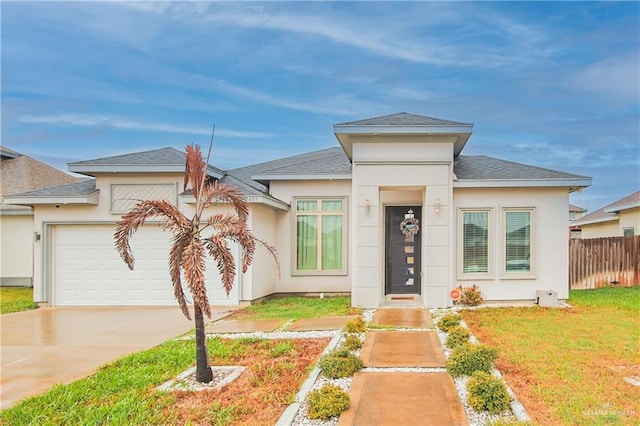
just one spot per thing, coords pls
(550, 84)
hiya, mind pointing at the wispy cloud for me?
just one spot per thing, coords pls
(88, 120)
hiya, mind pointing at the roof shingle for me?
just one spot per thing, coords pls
(403, 119)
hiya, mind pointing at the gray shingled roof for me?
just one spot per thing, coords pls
(162, 156)
(402, 119)
(326, 161)
(481, 167)
(77, 189)
(601, 215)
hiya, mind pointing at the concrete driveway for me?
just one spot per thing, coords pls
(46, 346)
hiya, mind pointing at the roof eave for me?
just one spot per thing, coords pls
(611, 218)
(343, 133)
(620, 207)
(266, 200)
(306, 176)
(572, 184)
(43, 200)
(90, 170)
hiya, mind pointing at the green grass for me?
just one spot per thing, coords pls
(123, 392)
(295, 308)
(118, 394)
(16, 299)
(567, 365)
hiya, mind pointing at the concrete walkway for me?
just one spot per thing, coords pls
(387, 396)
(46, 346)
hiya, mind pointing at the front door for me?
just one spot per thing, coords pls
(402, 249)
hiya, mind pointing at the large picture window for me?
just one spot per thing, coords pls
(320, 235)
(474, 243)
(518, 241)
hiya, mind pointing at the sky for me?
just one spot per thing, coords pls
(551, 84)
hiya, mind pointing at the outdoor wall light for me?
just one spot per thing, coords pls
(436, 207)
(367, 204)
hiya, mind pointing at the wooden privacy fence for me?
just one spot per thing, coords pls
(603, 262)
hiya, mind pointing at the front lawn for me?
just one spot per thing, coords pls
(123, 393)
(16, 299)
(567, 366)
(295, 308)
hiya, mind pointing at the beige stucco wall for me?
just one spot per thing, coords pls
(260, 274)
(392, 170)
(601, 230)
(16, 239)
(285, 236)
(549, 233)
(630, 219)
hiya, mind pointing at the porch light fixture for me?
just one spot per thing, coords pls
(367, 204)
(436, 207)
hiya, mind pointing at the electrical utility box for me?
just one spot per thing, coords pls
(547, 298)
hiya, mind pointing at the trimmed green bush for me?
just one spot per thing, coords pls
(470, 296)
(467, 359)
(487, 393)
(458, 336)
(352, 342)
(449, 321)
(356, 325)
(326, 402)
(340, 363)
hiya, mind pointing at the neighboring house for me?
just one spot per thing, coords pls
(618, 219)
(394, 210)
(575, 213)
(20, 173)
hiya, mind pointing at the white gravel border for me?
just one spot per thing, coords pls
(296, 413)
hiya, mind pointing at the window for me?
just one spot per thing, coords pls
(518, 241)
(320, 236)
(475, 242)
(628, 232)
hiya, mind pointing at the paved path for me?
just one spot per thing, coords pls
(387, 396)
(46, 346)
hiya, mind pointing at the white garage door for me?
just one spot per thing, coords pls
(89, 272)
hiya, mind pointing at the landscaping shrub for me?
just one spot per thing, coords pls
(449, 321)
(487, 393)
(458, 336)
(326, 402)
(470, 296)
(467, 359)
(356, 325)
(352, 342)
(340, 363)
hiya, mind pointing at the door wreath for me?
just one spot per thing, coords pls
(410, 226)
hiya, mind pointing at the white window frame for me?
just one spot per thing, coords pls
(490, 249)
(532, 272)
(294, 237)
(629, 228)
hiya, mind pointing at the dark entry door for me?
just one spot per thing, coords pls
(402, 249)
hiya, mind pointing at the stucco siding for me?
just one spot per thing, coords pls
(601, 230)
(17, 239)
(549, 241)
(287, 191)
(630, 219)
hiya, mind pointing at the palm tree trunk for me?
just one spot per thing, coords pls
(203, 367)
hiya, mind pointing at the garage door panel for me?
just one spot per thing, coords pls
(88, 271)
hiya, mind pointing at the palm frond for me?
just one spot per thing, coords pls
(195, 170)
(219, 250)
(222, 193)
(175, 270)
(172, 219)
(194, 268)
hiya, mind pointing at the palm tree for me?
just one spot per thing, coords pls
(192, 239)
